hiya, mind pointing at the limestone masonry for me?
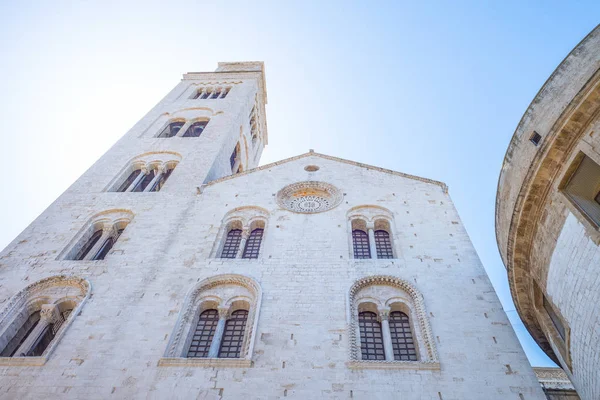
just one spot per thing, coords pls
(175, 268)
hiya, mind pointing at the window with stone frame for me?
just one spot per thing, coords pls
(371, 232)
(98, 236)
(146, 173)
(388, 325)
(35, 319)
(217, 325)
(195, 129)
(172, 129)
(253, 243)
(232, 243)
(235, 160)
(211, 93)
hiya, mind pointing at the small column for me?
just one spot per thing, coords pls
(159, 172)
(384, 314)
(49, 314)
(372, 246)
(245, 235)
(107, 233)
(137, 180)
(215, 346)
(183, 129)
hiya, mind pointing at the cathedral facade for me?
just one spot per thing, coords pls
(176, 267)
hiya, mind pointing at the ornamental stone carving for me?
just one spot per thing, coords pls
(309, 197)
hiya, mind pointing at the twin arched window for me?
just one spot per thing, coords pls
(183, 128)
(146, 173)
(99, 236)
(242, 233)
(219, 335)
(395, 334)
(368, 242)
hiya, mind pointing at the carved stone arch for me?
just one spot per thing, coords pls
(249, 291)
(424, 336)
(114, 219)
(59, 290)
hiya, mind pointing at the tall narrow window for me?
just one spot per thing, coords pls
(203, 334)
(172, 129)
(233, 157)
(216, 94)
(196, 129)
(402, 338)
(89, 245)
(253, 244)
(108, 244)
(555, 318)
(132, 177)
(232, 243)
(145, 181)
(360, 241)
(383, 244)
(225, 92)
(233, 336)
(22, 334)
(371, 340)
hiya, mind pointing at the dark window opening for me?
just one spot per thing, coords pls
(89, 245)
(42, 342)
(203, 334)
(161, 181)
(216, 94)
(583, 189)
(535, 138)
(253, 244)
(383, 244)
(402, 338)
(196, 129)
(233, 157)
(233, 335)
(22, 334)
(172, 129)
(145, 181)
(132, 177)
(371, 340)
(108, 244)
(232, 243)
(225, 92)
(360, 241)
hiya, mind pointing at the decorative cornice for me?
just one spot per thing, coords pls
(331, 158)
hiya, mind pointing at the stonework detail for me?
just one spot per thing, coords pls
(309, 197)
(382, 292)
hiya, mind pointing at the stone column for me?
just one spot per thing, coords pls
(245, 235)
(384, 314)
(372, 246)
(49, 314)
(159, 172)
(107, 233)
(137, 180)
(213, 352)
(183, 129)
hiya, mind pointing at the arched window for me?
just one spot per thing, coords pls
(36, 317)
(233, 336)
(145, 181)
(232, 243)
(146, 173)
(381, 330)
(203, 334)
(371, 339)
(217, 325)
(360, 242)
(195, 129)
(96, 239)
(253, 244)
(172, 129)
(402, 337)
(383, 244)
(162, 179)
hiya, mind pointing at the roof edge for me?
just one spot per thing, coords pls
(342, 160)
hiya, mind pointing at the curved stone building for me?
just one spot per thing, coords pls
(548, 216)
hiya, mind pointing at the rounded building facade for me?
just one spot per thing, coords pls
(548, 216)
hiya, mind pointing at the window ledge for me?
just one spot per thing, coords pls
(204, 362)
(364, 364)
(23, 361)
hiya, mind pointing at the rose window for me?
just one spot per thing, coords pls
(309, 197)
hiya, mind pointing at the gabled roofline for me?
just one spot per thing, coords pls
(331, 158)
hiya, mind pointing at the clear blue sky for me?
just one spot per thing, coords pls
(433, 89)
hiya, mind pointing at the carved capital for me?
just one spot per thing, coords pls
(384, 313)
(50, 314)
(223, 312)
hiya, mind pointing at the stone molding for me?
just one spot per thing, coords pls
(553, 378)
(205, 362)
(429, 360)
(29, 295)
(176, 347)
(309, 197)
(331, 158)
